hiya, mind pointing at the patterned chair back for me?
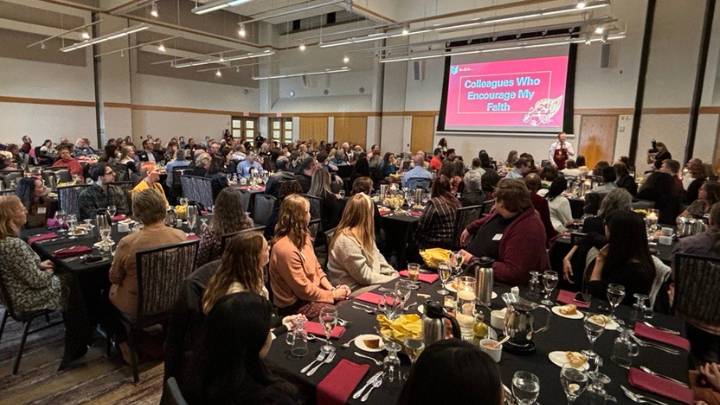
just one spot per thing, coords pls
(198, 189)
(63, 176)
(697, 287)
(160, 275)
(422, 183)
(245, 201)
(315, 203)
(463, 217)
(68, 197)
(6, 177)
(226, 238)
(6, 300)
(263, 208)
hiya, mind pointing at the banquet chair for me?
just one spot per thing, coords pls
(422, 183)
(263, 208)
(226, 238)
(126, 187)
(188, 187)
(160, 274)
(203, 188)
(697, 287)
(25, 318)
(328, 235)
(9, 176)
(68, 197)
(245, 201)
(171, 394)
(315, 203)
(463, 217)
(487, 206)
(63, 176)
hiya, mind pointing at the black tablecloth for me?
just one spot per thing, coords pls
(564, 334)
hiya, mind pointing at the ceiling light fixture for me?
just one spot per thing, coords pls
(161, 47)
(154, 10)
(85, 35)
(406, 30)
(114, 35)
(346, 59)
(581, 4)
(42, 45)
(321, 72)
(267, 52)
(302, 47)
(216, 5)
(241, 32)
(218, 73)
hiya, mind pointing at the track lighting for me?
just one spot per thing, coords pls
(154, 10)
(241, 32)
(302, 47)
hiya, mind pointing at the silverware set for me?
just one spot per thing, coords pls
(640, 399)
(377, 362)
(319, 361)
(364, 307)
(645, 343)
(670, 331)
(649, 371)
(372, 382)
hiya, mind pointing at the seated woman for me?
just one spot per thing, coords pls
(149, 207)
(228, 217)
(354, 258)
(389, 165)
(151, 181)
(708, 195)
(437, 224)
(331, 206)
(230, 360)
(467, 375)
(626, 259)
(624, 179)
(33, 196)
(298, 283)
(559, 205)
(32, 285)
(513, 235)
(66, 160)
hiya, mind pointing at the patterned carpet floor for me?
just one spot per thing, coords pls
(94, 379)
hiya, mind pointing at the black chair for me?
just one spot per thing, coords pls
(226, 238)
(463, 217)
(171, 394)
(10, 176)
(314, 227)
(592, 202)
(263, 208)
(69, 196)
(697, 287)
(25, 318)
(328, 235)
(245, 201)
(176, 189)
(315, 205)
(160, 274)
(487, 206)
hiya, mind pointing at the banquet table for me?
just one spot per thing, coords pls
(564, 334)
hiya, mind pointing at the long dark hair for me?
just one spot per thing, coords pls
(472, 375)
(627, 242)
(25, 191)
(362, 166)
(236, 330)
(556, 188)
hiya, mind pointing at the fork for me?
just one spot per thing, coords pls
(665, 349)
(328, 359)
(320, 357)
(640, 399)
(342, 322)
(347, 344)
(649, 371)
(313, 337)
(374, 385)
(364, 310)
(666, 330)
(377, 362)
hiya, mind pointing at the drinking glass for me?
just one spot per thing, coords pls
(594, 327)
(183, 201)
(72, 222)
(445, 272)
(403, 290)
(615, 295)
(535, 285)
(60, 218)
(104, 228)
(574, 382)
(525, 387)
(328, 319)
(413, 275)
(550, 281)
(414, 345)
(391, 364)
(297, 340)
(192, 216)
(111, 210)
(640, 307)
(388, 304)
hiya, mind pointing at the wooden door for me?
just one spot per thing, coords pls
(314, 128)
(352, 130)
(421, 134)
(597, 138)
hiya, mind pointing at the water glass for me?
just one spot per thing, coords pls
(594, 327)
(403, 290)
(328, 319)
(550, 281)
(640, 307)
(111, 210)
(525, 387)
(192, 216)
(615, 296)
(414, 275)
(444, 271)
(391, 365)
(60, 217)
(625, 350)
(388, 304)
(535, 285)
(574, 382)
(297, 340)
(103, 226)
(414, 345)
(72, 222)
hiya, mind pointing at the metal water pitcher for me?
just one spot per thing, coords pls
(483, 273)
(434, 323)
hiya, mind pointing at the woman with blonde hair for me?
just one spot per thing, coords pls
(354, 258)
(299, 285)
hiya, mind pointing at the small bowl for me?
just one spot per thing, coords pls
(494, 352)
(497, 319)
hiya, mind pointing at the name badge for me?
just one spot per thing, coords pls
(497, 237)
(42, 210)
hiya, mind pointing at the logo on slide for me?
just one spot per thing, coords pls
(454, 69)
(543, 111)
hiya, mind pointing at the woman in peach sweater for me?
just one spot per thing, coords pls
(298, 283)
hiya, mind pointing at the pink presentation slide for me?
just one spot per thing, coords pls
(521, 94)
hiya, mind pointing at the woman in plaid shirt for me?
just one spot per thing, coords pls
(437, 225)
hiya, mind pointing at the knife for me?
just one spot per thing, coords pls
(369, 382)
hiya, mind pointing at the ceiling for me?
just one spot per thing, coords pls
(257, 9)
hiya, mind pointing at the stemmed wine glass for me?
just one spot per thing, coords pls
(615, 295)
(391, 364)
(574, 382)
(413, 275)
(525, 387)
(328, 319)
(414, 345)
(111, 210)
(445, 272)
(192, 215)
(104, 228)
(403, 290)
(550, 281)
(594, 327)
(60, 217)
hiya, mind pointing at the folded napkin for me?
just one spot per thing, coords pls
(41, 237)
(370, 297)
(433, 257)
(647, 332)
(192, 236)
(336, 387)
(401, 328)
(426, 277)
(315, 328)
(119, 217)
(658, 385)
(415, 213)
(568, 297)
(72, 251)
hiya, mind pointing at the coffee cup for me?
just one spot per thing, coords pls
(492, 348)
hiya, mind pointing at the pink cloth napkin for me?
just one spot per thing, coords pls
(568, 297)
(425, 277)
(192, 237)
(647, 332)
(658, 385)
(72, 251)
(119, 217)
(336, 387)
(414, 213)
(41, 237)
(315, 328)
(370, 297)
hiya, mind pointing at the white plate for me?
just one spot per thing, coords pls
(558, 358)
(576, 315)
(611, 325)
(360, 344)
